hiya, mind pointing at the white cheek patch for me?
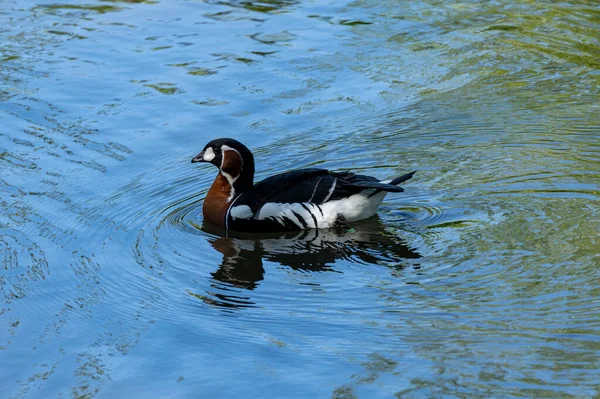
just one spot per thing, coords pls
(209, 154)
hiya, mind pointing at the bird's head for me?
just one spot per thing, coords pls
(232, 158)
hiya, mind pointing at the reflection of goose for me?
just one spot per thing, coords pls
(296, 200)
(314, 250)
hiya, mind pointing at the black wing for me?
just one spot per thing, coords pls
(301, 185)
(312, 185)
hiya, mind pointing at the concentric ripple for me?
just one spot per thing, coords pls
(177, 228)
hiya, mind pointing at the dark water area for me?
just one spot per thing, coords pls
(480, 280)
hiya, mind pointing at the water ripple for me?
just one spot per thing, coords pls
(490, 253)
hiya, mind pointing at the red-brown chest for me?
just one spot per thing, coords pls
(217, 201)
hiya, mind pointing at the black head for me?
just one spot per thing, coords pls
(215, 152)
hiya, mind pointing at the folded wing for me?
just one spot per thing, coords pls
(295, 200)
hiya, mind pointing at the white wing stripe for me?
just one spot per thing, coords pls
(315, 190)
(330, 191)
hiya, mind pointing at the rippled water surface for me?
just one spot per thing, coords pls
(481, 280)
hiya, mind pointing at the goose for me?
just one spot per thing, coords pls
(300, 199)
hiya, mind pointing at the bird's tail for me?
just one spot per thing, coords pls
(391, 185)
(402, 178)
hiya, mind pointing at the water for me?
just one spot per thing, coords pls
(481, 280)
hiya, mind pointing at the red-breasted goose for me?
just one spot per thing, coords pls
(295, 200)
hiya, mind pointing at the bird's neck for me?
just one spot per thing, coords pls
(238, 170)
(245, 180)
(218, 199)
(235, 178)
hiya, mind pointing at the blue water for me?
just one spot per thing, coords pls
(481, 280)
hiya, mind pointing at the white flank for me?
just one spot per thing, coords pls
(279, 211)
(356, 207)
(241, 212)
(353, 208)
(209, 154)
